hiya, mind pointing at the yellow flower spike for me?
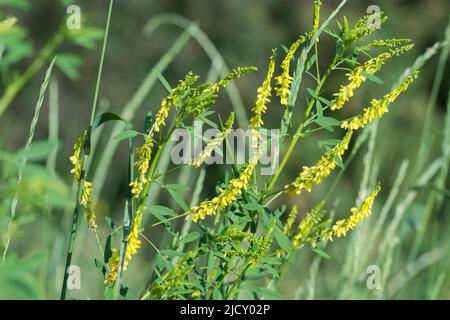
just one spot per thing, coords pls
(75, 158)
(322, 169)
(284, 80)
(290, 220)
(356, 78)
(378, 107)
(144, 156)
(235, 187)
(133, 245)
(86, 202)
(342, 227)
(213, 143)
(306, 226)
(263, 96)
(235, 74)
(316, 19)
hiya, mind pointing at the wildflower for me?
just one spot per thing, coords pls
(261, 245)
(86, 202)
(322, 169)
(307, 226)
(263, 94)
(316, 19)
(365, 26)
(284, 80)
(357, 78)
(75, 159)
(144, 155)
(235, 187)
(390, 43)
(290, 220)
(213, 143)
(378, 107)
(171, 99)
(172, 282)
(133, 244)
(235, 74)
(342, 227)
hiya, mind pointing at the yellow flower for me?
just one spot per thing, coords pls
(378, 107)
(307, 225)
(322, 169)
(316, 19)
(391, 43)
(133, 244)
(356, 78)
(86, 202)
(342, 227)
(235, 187)
(213, 143)
(144, 155)
(75, 159)
(263, 96)
(235, 74)
(290, 220)
(284, 80)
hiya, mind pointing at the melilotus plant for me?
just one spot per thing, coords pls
(236, 244)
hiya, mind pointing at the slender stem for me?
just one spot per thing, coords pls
(102, 58)
(84, 160)
(298, 132)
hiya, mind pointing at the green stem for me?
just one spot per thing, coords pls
(84, 161)
(298, 132)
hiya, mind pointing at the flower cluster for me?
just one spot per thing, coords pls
(307, 226)
(357, 78)
(86, 202)
(133, 244)
(342, 227)
(213, 143)
(263, 96)
(290, 220)
(235, 74)
(284, 80)
(365, 26)
(143, 153)
(378, 107)
(322, 169)
(76, 158)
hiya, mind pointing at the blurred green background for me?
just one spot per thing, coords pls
(244, 32)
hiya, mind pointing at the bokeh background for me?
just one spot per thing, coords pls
(243, 32)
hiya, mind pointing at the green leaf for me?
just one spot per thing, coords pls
(312, 93)
(164, 82)
(321, 253)
(324, 101)
(190, 237)
(282, 240)
(161, 210)
(253, 206)
(148, 122)
(105, 117)
(178, 199)
(339, 162)
(125, 134)
(172, 253)
(372, 77)
(327, 122)
(176, 187)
